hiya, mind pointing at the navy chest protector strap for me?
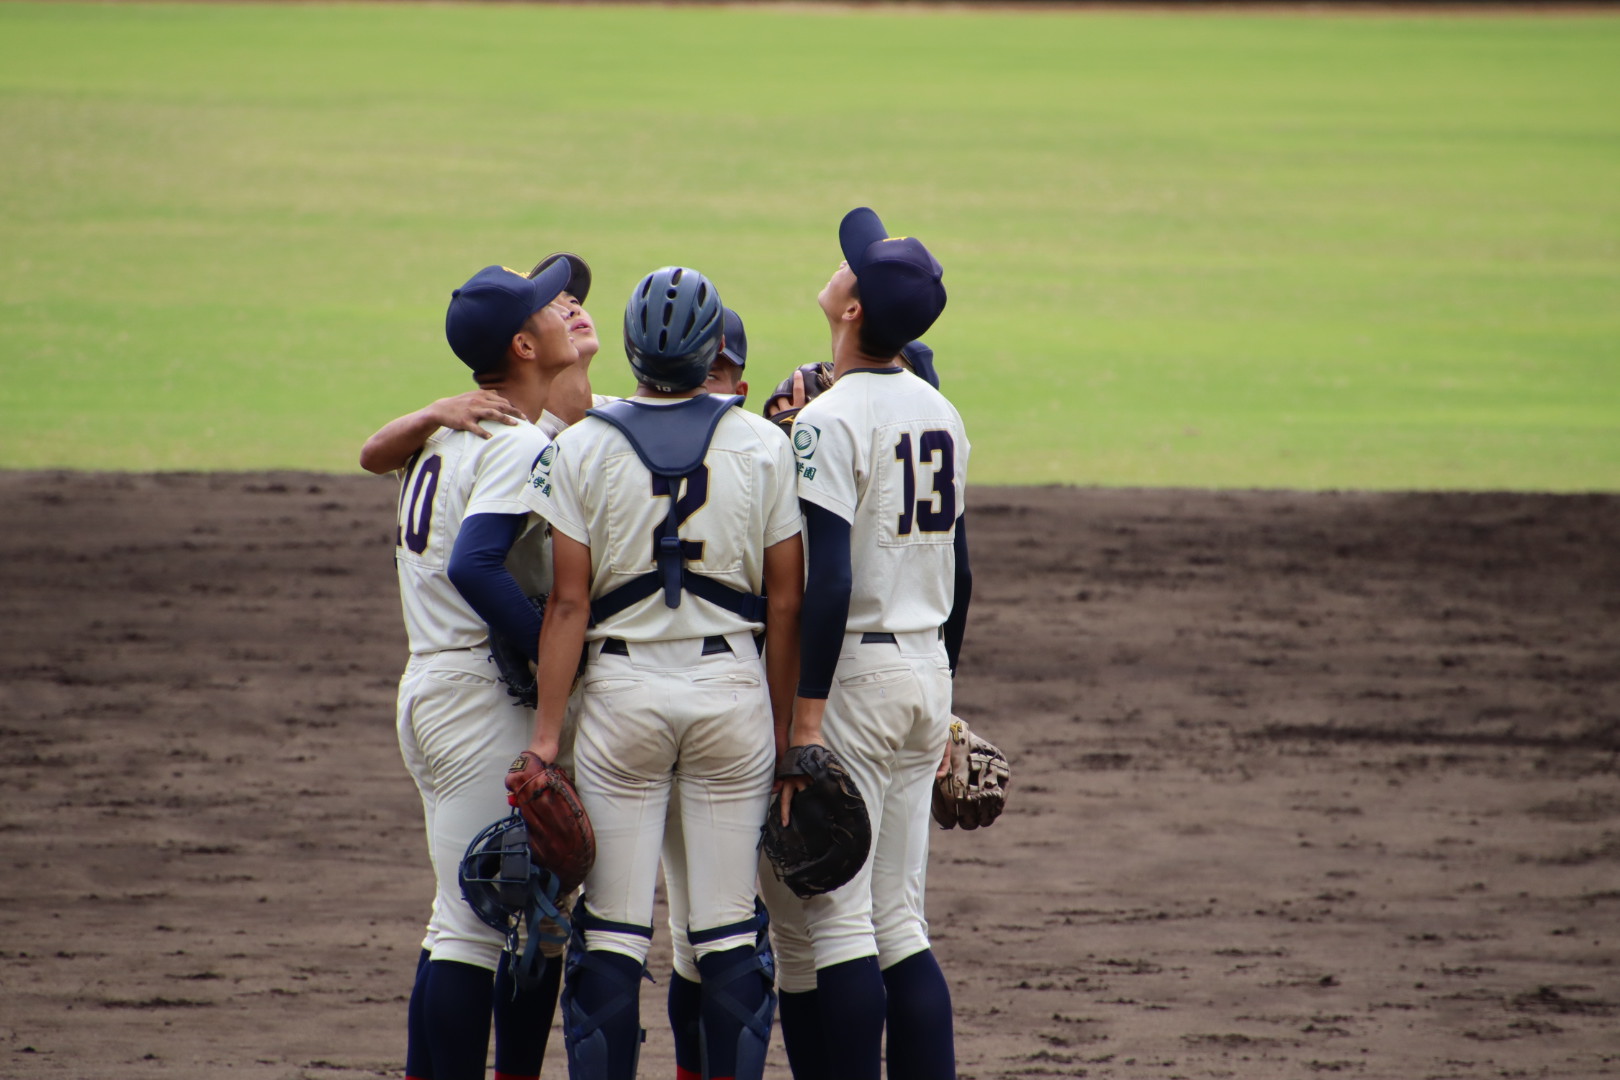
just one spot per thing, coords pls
(672, 441)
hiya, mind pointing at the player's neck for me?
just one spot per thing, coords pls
(847, 357)
(528, 389)
(645, 391)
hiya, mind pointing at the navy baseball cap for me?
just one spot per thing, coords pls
(579, 281)
(736, 347)
(493, 306)
(921, 359)
(900, 282)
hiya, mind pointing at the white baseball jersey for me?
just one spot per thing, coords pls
(888, 453)
(741, 501)
(455, 475)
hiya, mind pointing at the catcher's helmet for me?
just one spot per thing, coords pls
(672, 329)
(495, 873)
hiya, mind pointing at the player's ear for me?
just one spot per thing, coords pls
(742, 388)
(853, 312)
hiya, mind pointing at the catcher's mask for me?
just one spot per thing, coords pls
(504, 888)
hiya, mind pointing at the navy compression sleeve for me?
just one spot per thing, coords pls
(478, 571)
(956, 623)
(827, 587)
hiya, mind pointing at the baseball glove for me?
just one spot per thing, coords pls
(561, 839)
(512, 660)
(817, 377)
(828, 835)
(973, 791)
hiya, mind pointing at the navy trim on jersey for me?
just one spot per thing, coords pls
(956, 622)
(829, 580)
(478, 571)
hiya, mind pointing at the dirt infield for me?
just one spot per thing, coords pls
(1304, 785)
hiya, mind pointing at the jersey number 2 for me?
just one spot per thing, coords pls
(690, 502)
(937, 512)
(416, 502)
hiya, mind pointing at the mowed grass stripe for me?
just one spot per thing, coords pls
(1201, 250)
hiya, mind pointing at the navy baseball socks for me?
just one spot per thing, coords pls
(922, 1042)
(851, 996)
(685, 1011)
(418, 1062)
(456, 1009)
(801, 1034)
(523, 1021)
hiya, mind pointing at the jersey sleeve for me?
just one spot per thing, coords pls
(829, 458)
(502, 471)
(553, 489)
(782, 518)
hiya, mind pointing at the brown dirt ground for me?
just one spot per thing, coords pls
(1304, 784)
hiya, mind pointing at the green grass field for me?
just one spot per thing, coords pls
(1256, 250)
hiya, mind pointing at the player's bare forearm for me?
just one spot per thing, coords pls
(392, 445)
(562, 636)
(807, 720)
(784, 589)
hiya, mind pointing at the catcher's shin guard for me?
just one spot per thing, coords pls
(608, 1005)
(726, 984)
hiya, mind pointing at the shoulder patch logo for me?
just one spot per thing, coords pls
(540, 475)
(805, 440)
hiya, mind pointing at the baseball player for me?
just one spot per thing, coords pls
(882, 460)
(467, 555)
(670, 513)
(685, 983)
(389, 449)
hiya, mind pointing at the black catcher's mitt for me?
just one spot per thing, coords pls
(828, 835)
(973, 791)
(817, 377)
(512, 660)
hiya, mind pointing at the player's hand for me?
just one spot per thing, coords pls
(944, 761)
(464, 411)
(788, 785)
(795, 401)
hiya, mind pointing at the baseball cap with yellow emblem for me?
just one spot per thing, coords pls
(901, 286)
(493, 305)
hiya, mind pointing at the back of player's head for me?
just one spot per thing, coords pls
(488, 311)
(672, 328)
(735, 348)
(901, 284)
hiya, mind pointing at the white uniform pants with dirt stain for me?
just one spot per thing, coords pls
(662, 720)
(886, 718)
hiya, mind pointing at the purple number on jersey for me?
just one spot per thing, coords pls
(936, 447)
(690, 502)
(416, 512)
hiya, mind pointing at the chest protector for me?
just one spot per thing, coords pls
(672, 441)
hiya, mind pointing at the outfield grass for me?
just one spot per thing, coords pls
(1277, 251)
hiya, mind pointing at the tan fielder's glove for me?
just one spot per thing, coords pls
(561, 839)
(973, 791)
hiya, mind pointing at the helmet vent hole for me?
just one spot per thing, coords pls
(675, 278)
(669, 313)
(663, 340)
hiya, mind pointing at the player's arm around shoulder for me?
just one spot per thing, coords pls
(390, 447)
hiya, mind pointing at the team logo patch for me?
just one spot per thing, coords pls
(805, 440)
(540, 475)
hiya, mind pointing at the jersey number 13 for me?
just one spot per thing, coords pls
(936, 511)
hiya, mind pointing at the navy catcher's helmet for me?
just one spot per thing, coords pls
(672, 328)
(504, 888)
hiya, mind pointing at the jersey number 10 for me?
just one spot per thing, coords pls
(937, 512)
(416, 494)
